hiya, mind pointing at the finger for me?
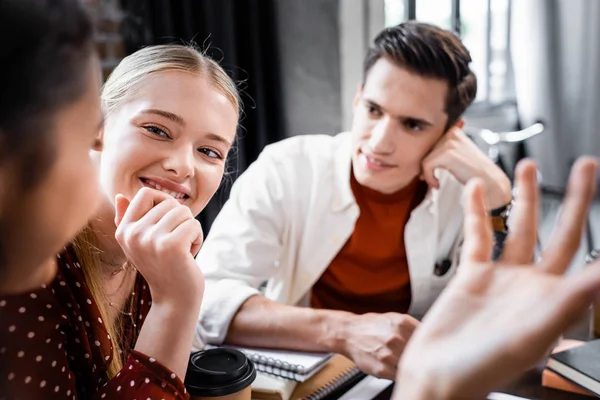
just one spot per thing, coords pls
(566, 235)
(387, 371)
(586, 283)
(172, 219)
(404, 332)
(158, 212)
(407, 331)
(439, 157)
(519, 245)
(142, 202)
(121, 205)
(583, 288)
(432, 161)
(571, 300)
(477, 246)
(428, 173)
(197, 243)
(191, 231)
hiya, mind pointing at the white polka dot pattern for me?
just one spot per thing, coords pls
(58, 337)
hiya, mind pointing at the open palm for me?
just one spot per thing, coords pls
(495, 320)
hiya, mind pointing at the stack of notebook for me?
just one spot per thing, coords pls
(574, 367)
(330, 382)
(285, 375)
(292, 365)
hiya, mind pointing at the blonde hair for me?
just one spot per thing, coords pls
(126, 78)
(121, 85)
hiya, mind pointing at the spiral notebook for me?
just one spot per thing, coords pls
(330, 382)
(337, 377)
(293, 365)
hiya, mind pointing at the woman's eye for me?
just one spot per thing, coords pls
(156, 131)
(210, 153)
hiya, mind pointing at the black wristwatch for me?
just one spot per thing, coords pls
(499, 217)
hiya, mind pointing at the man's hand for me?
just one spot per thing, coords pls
(495, 320)
(375, 342)
(457, 154)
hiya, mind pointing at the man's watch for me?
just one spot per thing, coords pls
(499, 217)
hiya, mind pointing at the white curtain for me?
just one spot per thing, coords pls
(556, 57)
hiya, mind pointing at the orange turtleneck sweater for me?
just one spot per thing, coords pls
(370, 273)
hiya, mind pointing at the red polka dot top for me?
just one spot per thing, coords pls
(54, 345)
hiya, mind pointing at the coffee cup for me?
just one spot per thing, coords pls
(219, 373)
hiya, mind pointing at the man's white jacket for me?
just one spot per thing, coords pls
(290, 214)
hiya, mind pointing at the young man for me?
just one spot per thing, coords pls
(364, 227)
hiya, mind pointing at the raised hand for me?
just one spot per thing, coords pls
(494, 320)
(457, 154)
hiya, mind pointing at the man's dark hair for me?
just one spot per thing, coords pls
(45, 49)
(432, 52)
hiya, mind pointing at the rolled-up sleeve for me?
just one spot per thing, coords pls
(243, 246)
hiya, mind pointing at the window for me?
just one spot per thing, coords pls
(484, 26)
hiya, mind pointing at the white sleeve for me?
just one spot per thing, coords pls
(242, 246)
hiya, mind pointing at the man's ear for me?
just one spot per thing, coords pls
(460, 123)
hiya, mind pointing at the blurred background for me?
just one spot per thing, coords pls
(298, 63)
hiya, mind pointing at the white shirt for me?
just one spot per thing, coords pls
(289, 215)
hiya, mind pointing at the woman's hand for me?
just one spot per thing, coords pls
(161, 237)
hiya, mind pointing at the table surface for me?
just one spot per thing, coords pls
(529, 385)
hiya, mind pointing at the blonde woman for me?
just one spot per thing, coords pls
(128, 291)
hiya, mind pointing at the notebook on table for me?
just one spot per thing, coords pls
(293, 365)
(330, 382)
(555, 381)
(336, 377)
(580, 365)
(271, 387)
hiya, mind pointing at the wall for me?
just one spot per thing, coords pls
(321, 47)
(107, 17)
(309, 53)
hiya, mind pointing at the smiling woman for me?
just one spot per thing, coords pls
(128, 291)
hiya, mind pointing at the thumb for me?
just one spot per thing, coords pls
(121, 205)
(197, 243)
(586, 283)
